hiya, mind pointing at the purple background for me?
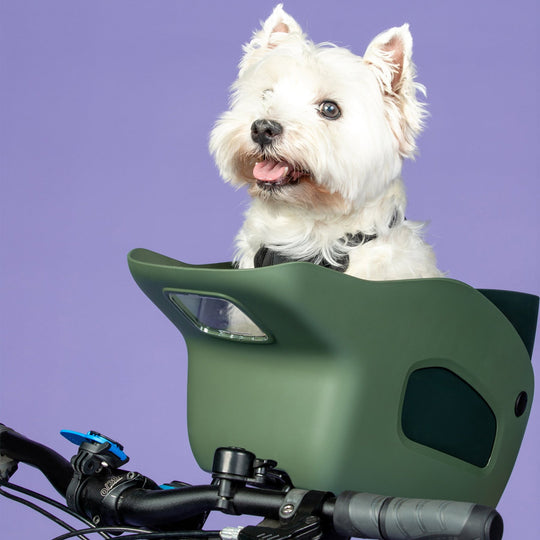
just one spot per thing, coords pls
(105, 113)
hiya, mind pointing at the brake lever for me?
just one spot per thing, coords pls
(8, 467)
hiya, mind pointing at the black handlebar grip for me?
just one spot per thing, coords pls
(365, 515)
(17, 447)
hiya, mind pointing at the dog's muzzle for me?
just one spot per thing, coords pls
(264, 132)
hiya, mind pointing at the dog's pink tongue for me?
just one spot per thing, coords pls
(270, 171)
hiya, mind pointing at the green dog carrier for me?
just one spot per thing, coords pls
(413, 388)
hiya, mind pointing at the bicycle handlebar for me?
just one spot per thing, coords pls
(125, 498)
(365, 515)
(55, 467)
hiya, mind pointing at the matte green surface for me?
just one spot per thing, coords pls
(324, 397)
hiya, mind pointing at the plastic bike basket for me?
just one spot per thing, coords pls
(411, 388)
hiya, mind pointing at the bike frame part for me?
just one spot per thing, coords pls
(116, 496)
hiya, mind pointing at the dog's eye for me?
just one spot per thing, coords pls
(330, 110)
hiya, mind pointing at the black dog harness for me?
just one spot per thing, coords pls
(268, 257)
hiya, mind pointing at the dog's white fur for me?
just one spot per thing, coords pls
(352, 165)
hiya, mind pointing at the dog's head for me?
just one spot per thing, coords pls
(315, 125)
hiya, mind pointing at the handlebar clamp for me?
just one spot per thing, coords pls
(96, 478)
(101, 494)
(299, 518)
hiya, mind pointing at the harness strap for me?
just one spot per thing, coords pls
(268, 257)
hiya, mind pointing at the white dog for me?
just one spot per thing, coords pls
(318, 135)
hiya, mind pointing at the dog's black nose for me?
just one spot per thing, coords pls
(263, 132)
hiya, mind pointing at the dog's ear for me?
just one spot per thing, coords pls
(390, 56)
(278, 28)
